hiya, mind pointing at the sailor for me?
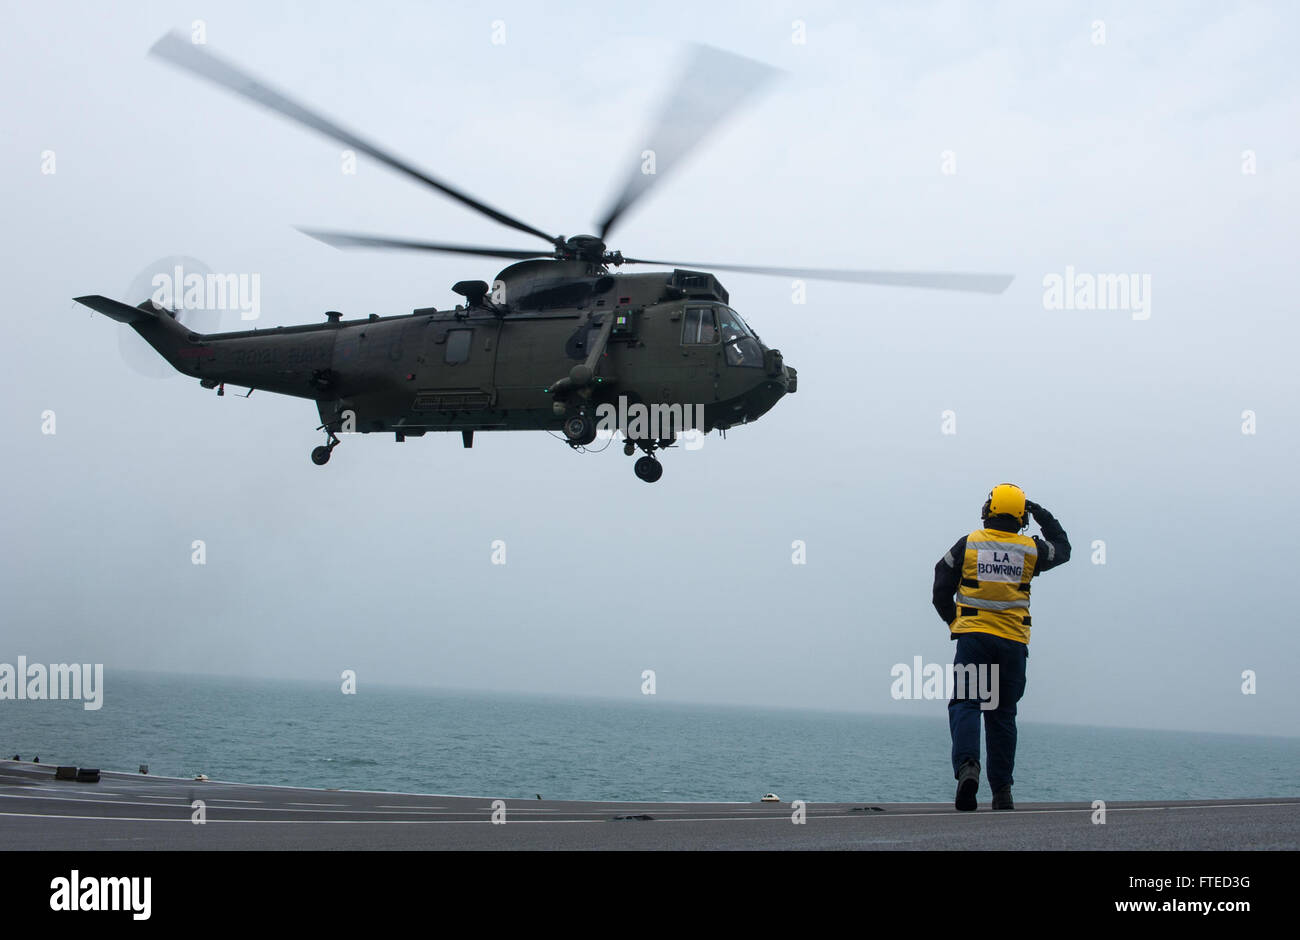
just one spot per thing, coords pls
(981, 590)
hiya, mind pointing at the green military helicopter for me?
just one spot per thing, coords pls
(558, 342)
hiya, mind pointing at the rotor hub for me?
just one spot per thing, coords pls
(581, 248)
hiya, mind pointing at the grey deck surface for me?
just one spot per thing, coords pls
(128, 811)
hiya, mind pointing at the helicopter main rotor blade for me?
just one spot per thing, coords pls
(348, 240)
(712, 86)
(177, 49)
(937, 280)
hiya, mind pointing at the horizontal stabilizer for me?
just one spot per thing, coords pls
(123, 313)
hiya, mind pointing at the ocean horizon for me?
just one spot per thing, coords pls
(518, 746)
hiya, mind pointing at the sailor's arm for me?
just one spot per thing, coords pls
(1054, 546)
(947, 577)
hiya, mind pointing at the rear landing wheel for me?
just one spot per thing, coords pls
(320, 456)
(648, 469)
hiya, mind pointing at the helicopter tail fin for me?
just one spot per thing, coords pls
(157, 325)
(122, 313)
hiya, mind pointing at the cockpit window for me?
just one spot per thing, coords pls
(699, 326)
(743, 349)
(732, 325)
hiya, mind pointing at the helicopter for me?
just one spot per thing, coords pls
(560, 341)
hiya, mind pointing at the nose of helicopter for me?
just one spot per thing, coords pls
(781, 380)
(780, 373)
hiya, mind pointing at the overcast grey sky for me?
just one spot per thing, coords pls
(1119, 157)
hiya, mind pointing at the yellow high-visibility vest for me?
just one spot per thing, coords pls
(993, 596)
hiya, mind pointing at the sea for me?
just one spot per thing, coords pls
(445, 742)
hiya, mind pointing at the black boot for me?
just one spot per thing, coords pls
(1002, 799)
(968, 782)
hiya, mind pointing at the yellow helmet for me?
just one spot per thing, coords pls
(1006, 499)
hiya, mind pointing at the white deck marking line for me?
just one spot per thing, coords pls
(309, 822)
(211, 805)
(1032, 812)
(86, 797)
(314, 804)
(604, 818)
(630, 809)
(186, 798)
(223, 799)
(161, 778)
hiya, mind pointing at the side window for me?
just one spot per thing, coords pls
(699, 326)
(458, 343)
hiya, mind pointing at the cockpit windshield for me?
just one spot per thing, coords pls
(743, 347)
(733, 326)
(706, 325)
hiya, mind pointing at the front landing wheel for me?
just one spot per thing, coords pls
(579, 429)
(320, 456)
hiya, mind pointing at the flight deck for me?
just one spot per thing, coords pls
(134, 811)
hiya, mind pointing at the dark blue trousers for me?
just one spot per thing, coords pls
(985, 649)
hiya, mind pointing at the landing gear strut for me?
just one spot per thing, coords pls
(575, 389)
(320, 456)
